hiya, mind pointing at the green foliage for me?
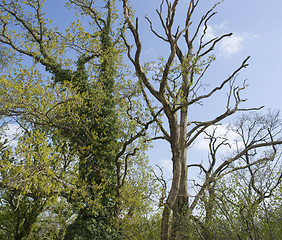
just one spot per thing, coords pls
(5, 57)
(84, 228)
(73, 122)
(238, 212)
(17, 215)
(53, 221)
(139, 217)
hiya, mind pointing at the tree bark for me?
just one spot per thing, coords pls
(180, 208)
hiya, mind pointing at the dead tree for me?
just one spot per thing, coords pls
(179, 79)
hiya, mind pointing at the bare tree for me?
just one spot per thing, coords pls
(245, 177)
(176, 87)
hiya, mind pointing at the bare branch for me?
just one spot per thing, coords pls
(243, 65)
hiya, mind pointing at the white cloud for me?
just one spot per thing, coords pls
(166, 165)
(222, 132)
(212, 31)
(235, 43)
(11, 132)
(228, 45)
(231, 45)
(210, 34)
(166, 168)
(222, 26)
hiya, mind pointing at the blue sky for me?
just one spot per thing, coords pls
(256, 28)
(256, 32)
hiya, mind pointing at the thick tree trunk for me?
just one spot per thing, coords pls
(165, 234)
(178, 197)
(180, 208)
(172, 196)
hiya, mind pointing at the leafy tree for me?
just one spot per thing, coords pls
(18, 215)
(29, 183)
(97, 161)
(70, 115)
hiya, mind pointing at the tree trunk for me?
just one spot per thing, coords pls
(179, 188)
(180, 208)
(165, 223)
(174, 191)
